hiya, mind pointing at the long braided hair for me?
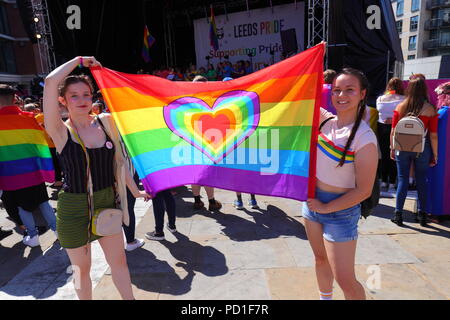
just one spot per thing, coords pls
(364, 85)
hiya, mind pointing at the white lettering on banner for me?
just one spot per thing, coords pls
(374, 21)
(74, 20)
(255, 34)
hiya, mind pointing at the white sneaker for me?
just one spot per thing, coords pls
(31, 242)
(134, 245)
(173, 230)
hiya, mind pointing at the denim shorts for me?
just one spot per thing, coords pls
(338, 226)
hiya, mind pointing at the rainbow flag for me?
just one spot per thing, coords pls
(25, 158)
(148, 43)
(255, 134)
(213, 40)
(438, 202)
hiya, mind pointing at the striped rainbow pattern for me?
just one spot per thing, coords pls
(25, 158)
(264, 127)
(333, 151)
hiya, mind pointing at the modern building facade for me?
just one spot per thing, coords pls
(19, 58)
(423, 27)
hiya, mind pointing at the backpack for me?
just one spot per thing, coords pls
(410, 134)
(370, 203)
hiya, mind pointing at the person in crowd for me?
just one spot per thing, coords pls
(227, 69)
(32, 107)
(386, 105)
(443, 93)
(239, 69)
(56, 165)
(416, 103)
(29, 193)
(211, 74)
(213, 203)
(248, 67)
(107, 164)
(97, 108)
(346, 168)
(202, 72)
(219, 70)
(163, 201)
(328, 77)
(179, 75)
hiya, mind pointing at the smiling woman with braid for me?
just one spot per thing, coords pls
(347, 159)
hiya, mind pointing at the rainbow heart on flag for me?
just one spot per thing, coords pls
(218, 130)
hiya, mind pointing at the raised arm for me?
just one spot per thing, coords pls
(53, 123)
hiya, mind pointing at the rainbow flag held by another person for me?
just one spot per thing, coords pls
(213, 39)
(149, 41)
(439, 176)
(255, 134)
(25, 159)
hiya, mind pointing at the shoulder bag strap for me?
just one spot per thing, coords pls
(323, 123)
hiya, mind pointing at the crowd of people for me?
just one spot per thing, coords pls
(81, 134)
(224, 69)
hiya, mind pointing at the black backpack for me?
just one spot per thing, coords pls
(368, 205)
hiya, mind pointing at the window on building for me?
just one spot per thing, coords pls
(399, 25)
(411, 57)
(413, 23)
(415, 5)
(7, 61)
(4, 28)
(400, 6)
(412, 43)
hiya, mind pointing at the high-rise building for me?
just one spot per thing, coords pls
(19, 58)
(423, 27)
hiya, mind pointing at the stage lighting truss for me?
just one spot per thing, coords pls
(318, 20)
(43, 34)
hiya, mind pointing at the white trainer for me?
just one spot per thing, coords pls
(31, 242)
(134, 245)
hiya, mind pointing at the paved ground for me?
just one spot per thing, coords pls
(239, 255)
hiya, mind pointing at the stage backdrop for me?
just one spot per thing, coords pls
(256, 31)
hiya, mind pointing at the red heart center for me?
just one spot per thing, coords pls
(213, 128)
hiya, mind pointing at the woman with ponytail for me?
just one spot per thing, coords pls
(347, 159)
(386, 105)
(416, 104)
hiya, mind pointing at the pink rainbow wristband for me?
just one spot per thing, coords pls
(80, 65)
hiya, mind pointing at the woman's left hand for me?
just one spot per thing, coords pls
(145, 195)
(317, 206)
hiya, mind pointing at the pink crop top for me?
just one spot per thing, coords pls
(330, 147)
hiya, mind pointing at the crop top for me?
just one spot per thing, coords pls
(430, 123)
(330, 147)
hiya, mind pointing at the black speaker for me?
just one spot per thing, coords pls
(289, 41)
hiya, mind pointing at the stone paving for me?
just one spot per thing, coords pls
(254, 254)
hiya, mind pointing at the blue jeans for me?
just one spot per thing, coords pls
(28, 220)
(421, 164)
(338, 226)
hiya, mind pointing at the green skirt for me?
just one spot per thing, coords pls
(72, 217)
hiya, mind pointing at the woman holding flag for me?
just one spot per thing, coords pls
(105, 161)
(347, 159)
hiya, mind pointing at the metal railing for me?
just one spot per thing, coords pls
(436, 24)
(436, 44)
(432, 4)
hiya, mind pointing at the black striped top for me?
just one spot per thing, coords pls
(73, 162)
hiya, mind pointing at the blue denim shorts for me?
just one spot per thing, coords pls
(338, 226)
